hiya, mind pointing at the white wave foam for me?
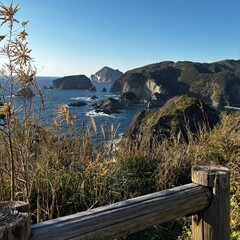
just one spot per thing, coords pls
(87, 99)
(100, 114)
(10, 96)
(234, 108)
(112, 95)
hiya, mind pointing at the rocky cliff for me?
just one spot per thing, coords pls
(217, 84)
(106, 74)
(72, 82)
(178, 118)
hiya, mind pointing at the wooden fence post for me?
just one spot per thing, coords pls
(15, 220)
(213, 223)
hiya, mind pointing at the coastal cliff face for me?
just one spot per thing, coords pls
(217, 84)
(106, 75)
(72, 82)
(178, 117)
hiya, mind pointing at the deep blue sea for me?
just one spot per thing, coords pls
(53, 99)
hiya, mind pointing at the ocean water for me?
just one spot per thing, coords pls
(53, 99)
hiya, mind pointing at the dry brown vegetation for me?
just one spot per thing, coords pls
(60, 171)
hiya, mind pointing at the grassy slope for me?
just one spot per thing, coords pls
(61, 176)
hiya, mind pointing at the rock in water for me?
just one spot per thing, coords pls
(104, 89)
(77, 104)
(179, 117)
(92, 88)
(72, 82)
(94, 97)
(109, 106)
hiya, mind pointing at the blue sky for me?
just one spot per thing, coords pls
(82, 36)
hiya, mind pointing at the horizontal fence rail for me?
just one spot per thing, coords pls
(126, 217)
(206, 199)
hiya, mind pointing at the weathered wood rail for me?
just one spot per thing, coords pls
(207, 199)
(120, 219)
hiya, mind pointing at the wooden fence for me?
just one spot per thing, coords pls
(206, 199)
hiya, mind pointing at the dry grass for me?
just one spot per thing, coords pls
(60, 171)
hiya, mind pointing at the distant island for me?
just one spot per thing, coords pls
(106, 75)
(72, 82)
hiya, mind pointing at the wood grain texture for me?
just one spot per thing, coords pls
(126, 217)
(15, 220)
(214, 222)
